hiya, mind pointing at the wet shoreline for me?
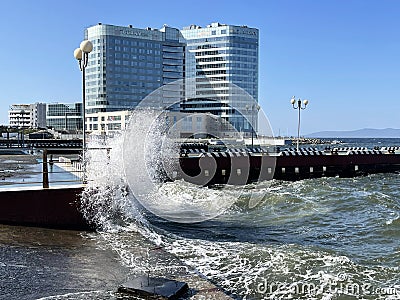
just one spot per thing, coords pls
(15, 166)
(37, 263)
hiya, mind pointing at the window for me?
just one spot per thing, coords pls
(116, 126)
(187, 124)
(199, 122)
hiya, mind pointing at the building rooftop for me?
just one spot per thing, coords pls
(212, 25)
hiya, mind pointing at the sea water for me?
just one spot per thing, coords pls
(326, 238)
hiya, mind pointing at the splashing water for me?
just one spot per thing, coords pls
(316, 239)
(153, 148)
(128, 171)
(106, 202)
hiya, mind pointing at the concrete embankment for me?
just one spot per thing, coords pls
(55, 207)
(37, 263)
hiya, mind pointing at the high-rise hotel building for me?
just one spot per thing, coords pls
(223, 61)
(128, 63)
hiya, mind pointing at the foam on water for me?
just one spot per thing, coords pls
(81, 295)
(274, 271)
(278, 238)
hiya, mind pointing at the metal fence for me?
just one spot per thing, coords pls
(29, 171)
(48, 171)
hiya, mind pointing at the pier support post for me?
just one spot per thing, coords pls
(45, 170)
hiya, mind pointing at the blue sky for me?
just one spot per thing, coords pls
(342, 55)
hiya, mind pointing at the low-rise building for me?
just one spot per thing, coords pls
(27, 115)
(19, 115)
(64, 116)
(107, 123)
(179, 124)
(38, 115)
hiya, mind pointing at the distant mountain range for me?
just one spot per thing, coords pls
(361, 133)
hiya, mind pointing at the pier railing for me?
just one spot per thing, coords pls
(20, 172)
(26, 170)
(19, 169)
(60, 169)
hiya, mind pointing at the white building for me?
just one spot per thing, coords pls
(27, 115)
(19, 115)
(179, 124)
(107, 123)
(38, 115)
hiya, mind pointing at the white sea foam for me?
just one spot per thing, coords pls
(241, 267)
(393, 218)
(81, 295)
(150, 154)
(106, 201)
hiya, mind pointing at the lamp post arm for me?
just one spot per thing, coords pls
(300, 106)
(84, 124)
(80, 64)
(82, 55)
(298, 130)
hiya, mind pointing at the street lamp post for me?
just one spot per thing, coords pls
(8, 136)
(66, 122)
(299, 108)
(252, 108)
(18, 134)
(23, 124)
(21, 141)
(82, 55)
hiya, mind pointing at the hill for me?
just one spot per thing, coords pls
(361, 133)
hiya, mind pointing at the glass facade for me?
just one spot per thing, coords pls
(62, 116)
(128, 63)
(220, 61)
